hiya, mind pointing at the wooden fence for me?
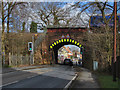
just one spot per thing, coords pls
(17, 60)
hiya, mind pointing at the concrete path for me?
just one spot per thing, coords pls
(85, 79)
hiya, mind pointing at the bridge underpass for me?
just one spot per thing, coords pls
(60, 43)
(72, 35)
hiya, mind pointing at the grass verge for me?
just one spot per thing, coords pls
(106, 81)
(7, 66)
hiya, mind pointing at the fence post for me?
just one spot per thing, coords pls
(16, 59)
(27, 59)
(10, 59)
(21, 60)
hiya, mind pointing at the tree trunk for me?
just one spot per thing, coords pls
(23, 27)
(7, 36)
(8, 22)
(3, 35)
(108, 40)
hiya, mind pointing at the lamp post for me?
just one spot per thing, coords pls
(33, 49)
(32, 52)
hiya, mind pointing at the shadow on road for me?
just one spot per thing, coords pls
(35, 78)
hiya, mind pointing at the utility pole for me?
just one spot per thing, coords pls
(119, 54)
(114, 53)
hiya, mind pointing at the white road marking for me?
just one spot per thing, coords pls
(32, 76)
(9, 83)
(22, 79)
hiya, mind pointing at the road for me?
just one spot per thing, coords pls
(52, 77)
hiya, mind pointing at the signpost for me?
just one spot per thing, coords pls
(31, 49)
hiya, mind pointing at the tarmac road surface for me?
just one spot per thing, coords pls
(51, 77)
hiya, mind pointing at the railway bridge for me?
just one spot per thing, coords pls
(56, 37)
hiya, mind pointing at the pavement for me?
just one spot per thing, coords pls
(13, 69)
(49, 77)
(85, 80)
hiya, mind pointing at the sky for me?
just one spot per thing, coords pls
(61, 0)
(71, 2)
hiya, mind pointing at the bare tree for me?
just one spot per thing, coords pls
(104, 9)
(6, 9)
(51, 13)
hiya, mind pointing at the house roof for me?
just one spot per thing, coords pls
(67, 49)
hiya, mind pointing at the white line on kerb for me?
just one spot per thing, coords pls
(70, 82)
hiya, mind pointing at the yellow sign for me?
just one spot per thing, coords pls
(66, 40)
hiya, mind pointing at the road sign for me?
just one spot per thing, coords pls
(67, 36)
(63, 36)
